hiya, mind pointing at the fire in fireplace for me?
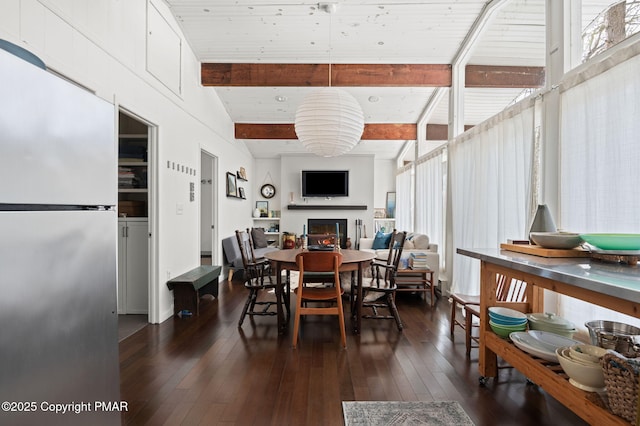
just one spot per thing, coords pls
(323, 227)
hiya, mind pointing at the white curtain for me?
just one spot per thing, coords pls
(490, 187)
(600, 164)
(404, 199)
(430, 197)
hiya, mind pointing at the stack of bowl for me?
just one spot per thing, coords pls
(504, 321)
(552, 324)
(582, 364)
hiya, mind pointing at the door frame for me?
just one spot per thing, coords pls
(153, 315)
(204, 153)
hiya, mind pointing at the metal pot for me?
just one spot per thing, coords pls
(618, 336)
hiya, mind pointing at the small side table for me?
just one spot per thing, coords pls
(419, 279)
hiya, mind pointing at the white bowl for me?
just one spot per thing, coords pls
(566, 352)
(587, 353)
(506, 313)
(588, 377)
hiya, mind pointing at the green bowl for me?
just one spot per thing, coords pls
(504, 330)
(613, 241)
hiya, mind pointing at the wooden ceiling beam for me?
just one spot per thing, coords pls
(391, 75)
(372, 131)
(491, 76)
(440, 132)
(261, 75)
(317, 75)
(437, 132)
(265, 131)
(389, 132)
(365, 75)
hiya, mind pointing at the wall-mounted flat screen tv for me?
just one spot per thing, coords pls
(325, 183)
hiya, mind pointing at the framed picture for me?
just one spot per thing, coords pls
(242, 174)
(263, 206)
(391, 204)
(232, 187)
(379, 213)
(241, 193)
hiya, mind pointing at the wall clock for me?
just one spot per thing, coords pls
(268, 190)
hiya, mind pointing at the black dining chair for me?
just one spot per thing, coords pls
(255, 272)
(380, 291)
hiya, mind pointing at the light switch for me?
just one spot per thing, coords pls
(179, 208)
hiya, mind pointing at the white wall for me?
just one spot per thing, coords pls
(102, 44)
(369, 182)
(384, 180)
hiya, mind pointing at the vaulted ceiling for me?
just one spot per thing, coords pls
(394, 56)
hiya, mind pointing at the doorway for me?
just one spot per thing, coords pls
(135, 158)
(208, 209)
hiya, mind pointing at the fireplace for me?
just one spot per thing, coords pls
(319, 228)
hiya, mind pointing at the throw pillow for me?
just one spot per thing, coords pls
(408, 245)
(259, 239)
(421, 242)
(381, 241)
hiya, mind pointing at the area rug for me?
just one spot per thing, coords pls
(385, 413)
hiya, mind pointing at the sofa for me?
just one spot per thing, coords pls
(414, 243)
(233, 257)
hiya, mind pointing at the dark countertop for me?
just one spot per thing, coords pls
(619, 280)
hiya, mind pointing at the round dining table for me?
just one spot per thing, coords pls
(285, 260)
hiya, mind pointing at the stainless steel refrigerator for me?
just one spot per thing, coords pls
(58, 228)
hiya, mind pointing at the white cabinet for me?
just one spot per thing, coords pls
(133, 269)
(271, 227)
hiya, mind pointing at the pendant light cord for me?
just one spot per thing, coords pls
(330, 60)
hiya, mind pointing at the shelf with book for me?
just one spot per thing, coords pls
(133, 166)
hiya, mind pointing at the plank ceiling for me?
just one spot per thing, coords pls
(362, 32)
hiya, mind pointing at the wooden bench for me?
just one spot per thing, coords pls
(190, 286)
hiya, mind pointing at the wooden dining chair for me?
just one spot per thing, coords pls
(255, 272)
(509, 291)
(460, 300)
(380, 291)
(310, 263)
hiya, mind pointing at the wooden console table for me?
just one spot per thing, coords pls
(610, 285)
(419, 279)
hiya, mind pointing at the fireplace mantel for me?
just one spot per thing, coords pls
(326, 207)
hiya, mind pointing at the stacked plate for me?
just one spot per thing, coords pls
(504, 321)
(541, 344)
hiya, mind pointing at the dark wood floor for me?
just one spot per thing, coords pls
(204, 370)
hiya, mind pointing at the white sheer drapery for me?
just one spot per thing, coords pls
(430, 198)
(600, 164)
(490, 187)
(404, 199)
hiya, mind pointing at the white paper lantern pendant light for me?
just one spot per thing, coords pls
(329, 121)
